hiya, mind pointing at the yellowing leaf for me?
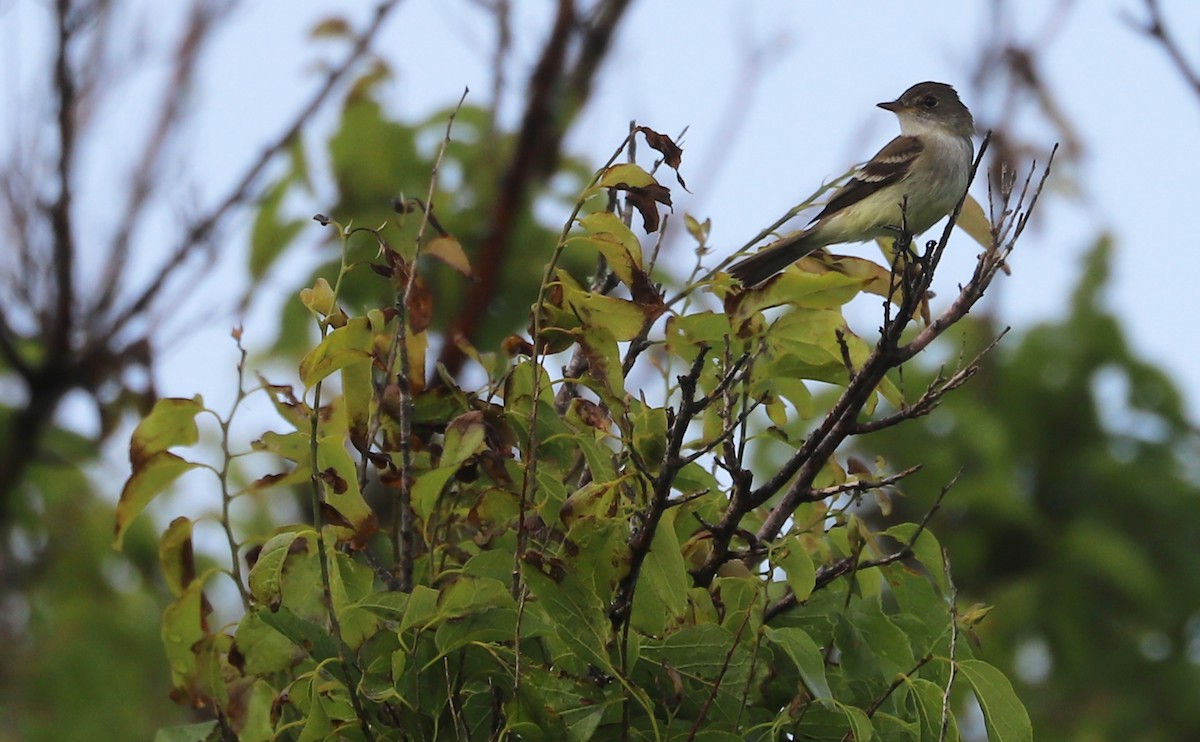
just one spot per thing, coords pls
(463, 439)
(974, 222)
(172, 422)
(626, 174)
(448, 250)
(619, 246)
(175, 555)
(340, 348)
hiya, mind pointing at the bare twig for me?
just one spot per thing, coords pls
(175, 95)
(59, 335)
(952, 674)
(928, 401)
(402, 524)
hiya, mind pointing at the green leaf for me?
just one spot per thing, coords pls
(798, 289)
(182, 630)
(621, 317)
(266, 576)
(340, 477)
(172, 422)
(358, 392)
(422, 608)
(860, 723)
(575, 610)
(175, 555)
(312, 638)
(805, 654)
(882, 638)
(151, 477)
(342, 347)
(619, 246)
(929, 697)
(494, 625)
(649, 434)
(797, 566)
(627, 174)
(463, 439)
(926, 549)
(427, 490)
(264, 650)
(471, 595)
(661, 596)
(1003, 714)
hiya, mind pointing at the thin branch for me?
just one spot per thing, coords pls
(1156, 29)
(933, 394)
(535, 146)
(557, 92)
(61, 318)
(176, 93)
(643, 536)
(830, 572)
(402, 530)
(202, 230)
(945, 726)
(860, 486)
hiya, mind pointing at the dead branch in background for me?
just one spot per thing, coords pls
(1156, 28)
(557, 89)
(55, 337)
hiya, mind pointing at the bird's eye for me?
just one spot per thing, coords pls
(929, 101)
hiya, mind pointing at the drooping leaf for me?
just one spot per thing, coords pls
(1003, 713)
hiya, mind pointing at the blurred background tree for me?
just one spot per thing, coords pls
(1073, 514)
(1074, 517)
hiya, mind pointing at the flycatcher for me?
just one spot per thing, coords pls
(923, 172)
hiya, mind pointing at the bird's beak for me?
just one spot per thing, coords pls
(894, 106)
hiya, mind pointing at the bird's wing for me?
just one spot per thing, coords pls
(888, 165)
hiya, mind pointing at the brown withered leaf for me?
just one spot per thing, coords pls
(331, 517)
(672, 153)
(645, 293)
(858, 467)
(266, 481)
(549, 566)
(591, 414)
(515, 345)
(644, 199)
(333, 480)
(420, 305)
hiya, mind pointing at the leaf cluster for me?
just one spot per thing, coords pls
(583, 553)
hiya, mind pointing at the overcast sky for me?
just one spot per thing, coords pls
(756, 144)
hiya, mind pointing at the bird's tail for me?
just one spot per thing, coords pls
(775, 257)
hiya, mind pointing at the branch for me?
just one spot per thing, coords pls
(536, 145)
(201, 231)
(539, 143)
(831, 572)
(1156, 29)
(933, 394)
(174, 97)
(640, 541)
(60, 318)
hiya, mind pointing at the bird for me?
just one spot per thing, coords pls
(915, 180)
